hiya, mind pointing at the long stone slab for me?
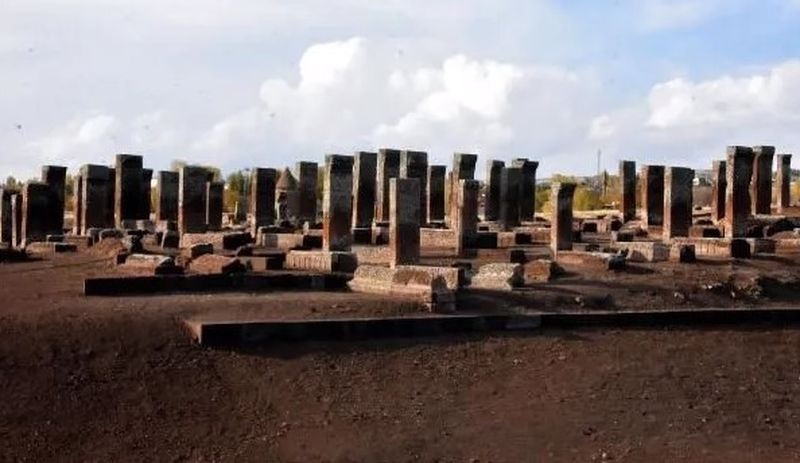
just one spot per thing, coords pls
(233, 334)
(164, 284)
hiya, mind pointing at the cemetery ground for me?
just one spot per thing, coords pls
(120, 379)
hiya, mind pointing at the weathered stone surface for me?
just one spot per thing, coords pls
(133, 244)
(109, 233)
(465, 222)
(727, 247)
(404, 224)
(214, 204)
(194, 251)
(306, 191)
(739, 170)
(6, 219)
(463, 169)
(388, 168)
(510, 180)
(216, 264)
(192, 199)
(432, 286)
(365, 171)
(644, 251)
(286, 197)
(540, 271)
(167, 203)
(598, 261)
(491, 207)
(128, 188)
(337, 203)
(145, 195)
(56, 178)
(719, 184)
(683, 253)
(42, 247)
(151, 263)
(527, 188)
(652, 178)
(262, 197)
(561, 236)
(414, 164)
(321, 261)
(36, 211)
(16, 219)
(761, 180)
(783, 179)
(436, 193)
(704, 231)
(77, 205)
(627, 175)
(678, 184)
(500, 276)
(220, 240)
(622, 236)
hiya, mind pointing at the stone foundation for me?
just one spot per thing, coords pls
(435, 287)
(321, 261)
(499, 277)
(644, 251)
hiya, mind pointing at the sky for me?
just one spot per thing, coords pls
(266, 83)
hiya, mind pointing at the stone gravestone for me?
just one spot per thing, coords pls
(215, 196)
(561, 223)
(491, 206)
(192, 199)
(307, 191)
(96, 187)
(56, 178)
(463, 169)
(678, 184)
(784, 181)
(627, 176)
(262, 196)
(337, 203)
(761, 182)
(404, 223)
(509, 197)
(652, 178)
(739, 171)
(388, 168)
(36, 211)
(6, 220)
(77, 204)
(436, 191)
(719, 184)
(128, 188)
(466, 221)
(527, 188)
(167, 204)
(145, 195)
(414, 164)
(365, 171)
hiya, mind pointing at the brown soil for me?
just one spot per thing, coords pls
(117, 379)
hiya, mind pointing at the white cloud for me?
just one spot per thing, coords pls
(689, 122)
(357, 94)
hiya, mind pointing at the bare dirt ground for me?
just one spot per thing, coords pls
(118, 379)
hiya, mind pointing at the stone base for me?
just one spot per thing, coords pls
(511, 239)
(435, 287)
(225, 240)
(362, 236)
(498, 276)
(321, 261)
(151, 263)
(741, 248)
(540, 271)
(216, 264)
(594, 260)
(644, 251)
(683, 253)
(41, 247)
(697, 231)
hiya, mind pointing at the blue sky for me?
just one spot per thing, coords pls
(269, 82)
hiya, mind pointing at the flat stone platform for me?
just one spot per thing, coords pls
(161, 284)
(264, 332)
